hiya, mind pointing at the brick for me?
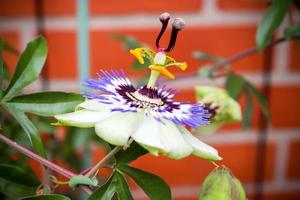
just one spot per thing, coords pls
(61, 59)
(20, 8)
(108, 53)
(233, 5)
(240, 158)
(293, 172)
(59, 7)
(278, 196)
(284, 106)
(294, 56)
(141, 6)
(12, 38)
(14, 8)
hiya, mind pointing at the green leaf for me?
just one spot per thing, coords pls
(122, 187)
(47, 103)
(248, 112)
(290, 31)
(82, 180)
(128, 41)
(261, 100)
(271, 20)
(29, 128)
(234, 84)
(154, 186)
(28, 67)
(132, 153)
(43, 124)
(222, 185)
(47, 197)
(1, 67)
(104, 192)
(136, 65)
(16, 181)
(6, 74)
(116, 184)
(10, 48)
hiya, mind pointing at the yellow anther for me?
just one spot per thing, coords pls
(138, 54)
(182, 65)
(162, 70)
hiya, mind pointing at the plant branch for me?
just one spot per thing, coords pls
(232, 59)
(103, 161)
(41, 160)
(245, 53)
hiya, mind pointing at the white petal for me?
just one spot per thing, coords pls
(93, 105)
(82, 118)
(119, 127)
(200, 148)
(148, 134)
(163, 137)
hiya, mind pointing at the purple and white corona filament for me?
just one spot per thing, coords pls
(148, 114)
(157, 102)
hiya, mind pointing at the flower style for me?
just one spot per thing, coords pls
(148, 115)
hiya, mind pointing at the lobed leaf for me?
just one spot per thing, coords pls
(132, 153)
(117, 184)
(122, 187)
(104, 192)
(153, 186)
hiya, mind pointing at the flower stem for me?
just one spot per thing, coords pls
(41, 160)
(103, 161)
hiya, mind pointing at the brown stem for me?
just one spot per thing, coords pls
(244, 54)
(41, 160)
(103, 161)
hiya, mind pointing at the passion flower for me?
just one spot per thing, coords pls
(148, 114)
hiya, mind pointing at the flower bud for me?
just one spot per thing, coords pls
(227, 109)
(221, 184)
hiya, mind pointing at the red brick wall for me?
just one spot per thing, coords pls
(221, 27)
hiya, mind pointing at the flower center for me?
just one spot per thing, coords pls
(149, 98)
(145, 99)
